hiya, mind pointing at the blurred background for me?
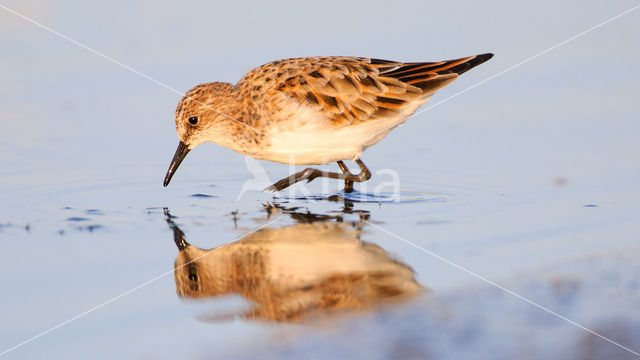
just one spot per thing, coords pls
(530, 180)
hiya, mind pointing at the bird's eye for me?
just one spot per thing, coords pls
(193, 120)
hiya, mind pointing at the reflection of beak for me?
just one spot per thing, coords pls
(178, 235)
(178, 238)
(181, 152)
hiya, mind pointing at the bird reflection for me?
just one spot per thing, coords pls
(314, 267)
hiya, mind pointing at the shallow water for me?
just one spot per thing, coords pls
(516, 184)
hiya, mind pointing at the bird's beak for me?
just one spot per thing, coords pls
(181, 152)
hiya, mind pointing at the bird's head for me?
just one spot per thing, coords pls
(200, 117)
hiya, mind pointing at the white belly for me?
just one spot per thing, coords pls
(309, 139)
(321, 146)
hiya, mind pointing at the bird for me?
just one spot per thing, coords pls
(311, 111)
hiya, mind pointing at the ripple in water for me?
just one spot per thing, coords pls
(203, 196)
(77, 219)
(377, 198)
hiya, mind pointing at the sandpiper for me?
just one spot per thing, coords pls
(311, 111)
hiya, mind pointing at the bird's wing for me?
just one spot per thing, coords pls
(352, 90)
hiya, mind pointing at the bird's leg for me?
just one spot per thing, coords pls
(311, 173)
(350, 178)
(348, 184)
(306, 174)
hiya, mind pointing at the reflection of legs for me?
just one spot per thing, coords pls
(311, 173)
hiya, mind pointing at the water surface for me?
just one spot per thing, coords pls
(529, 182)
